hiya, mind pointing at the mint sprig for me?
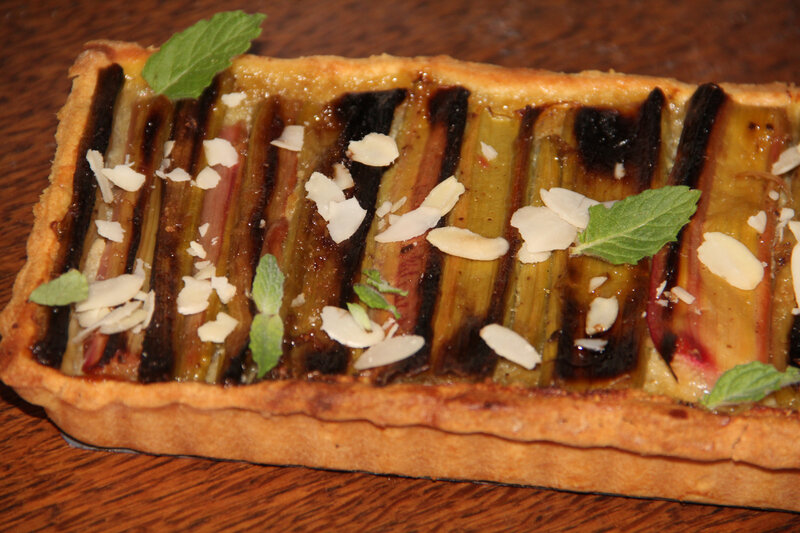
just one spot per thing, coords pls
(638, 226)
(189, 60)
(360, 315)
(374, 299)
(69, 287)
(747, 383)
(266, 330)
(374, 278)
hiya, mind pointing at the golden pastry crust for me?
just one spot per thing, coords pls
(621, 441)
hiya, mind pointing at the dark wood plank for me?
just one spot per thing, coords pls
(46, 484)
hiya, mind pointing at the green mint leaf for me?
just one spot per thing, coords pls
(189, 60)
(374, 278)
(374, 299)
(67, 288)
(637, 226)
(748, 383)
(268, 285)
(266, 341)
(360, 316)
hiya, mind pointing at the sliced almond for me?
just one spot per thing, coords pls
(340, 326)
(595, 345)
(573, 207)
(208, 178)
(345, 219)
(602, 315)
(322, 191)
(390, 351)
(218, 329)
(596, 282)
(683, 295)
(123, 318)
(176, 174)
(196, 250)
(383, 209)
(291, 138)
(731, 260)
(526, 256)
(220, 152)
(375, 150)
(225, 290)
(488, 152)
(342, 177)
(445, 195)
(111, 292)
(95, 160)
(193, 297)
(124, 177)
(233, 99)
(542, 229)
(758, 221)
(788, 160)
(510, 345)
(110, 230)
(410, 225)
(462, 242)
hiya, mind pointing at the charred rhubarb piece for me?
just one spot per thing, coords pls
(619, 153)
(321, 270)
(73, 227)
(170, 260)
(722, 323)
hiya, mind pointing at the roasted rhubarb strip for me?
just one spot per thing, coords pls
(700, 344)
(72, 228)
(248, 231)
(169, 260)
(606, 138)
(430, 144)
(470, 292)
(320, 269)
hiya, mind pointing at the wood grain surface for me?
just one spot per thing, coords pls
(46, 484)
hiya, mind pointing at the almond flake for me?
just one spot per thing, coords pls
(758, 221)
(220, 152)
(462, 242)
(298, 300)
(542, 229)
(602, 315)
(774, 195)
(207, 272)
(444, 196)
(203, 229)
(111, 292)
(398, 204)
(291, 139)
(389, 351)
(731, 260)
(595, 345)
(683, 295)
(123, 318)
(794, 227)
(92, 316)
(660, 288)
(573, 207)
(149, 308)
(596, 282)
(225, 290)
(168, 146)
(218, 329)
(619, 171)
(196, 250)
(176, 175)
(110, 230)
(383, 209)
(95, 160)
(323, 192)
(124, 177)
(789, 159)
(345, 219)
(193, 297)
(488, 152)
(208, 178)
(233, 99)
(526, 256)
(410, 225)
(200, 265)
(374, 150)
(340, 326)
(342, 177)
(510, 345)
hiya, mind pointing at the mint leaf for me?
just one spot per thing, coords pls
(637, 226)
(374, 299)
(359, 314)
(749, 383)
(266, 341)
(69, 287)
(374, 278)
(268, 285)
(189, 60)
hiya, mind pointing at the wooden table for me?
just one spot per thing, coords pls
(44, 483)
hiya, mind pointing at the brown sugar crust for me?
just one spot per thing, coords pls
(621, 441)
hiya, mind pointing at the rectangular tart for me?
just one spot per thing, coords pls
(621, 420)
